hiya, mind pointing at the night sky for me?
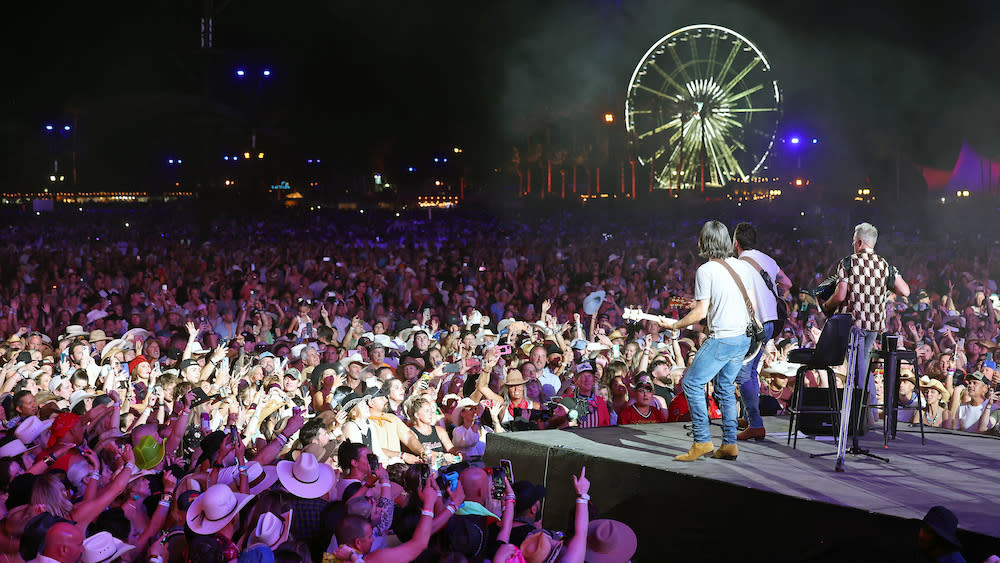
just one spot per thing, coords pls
(376, 84)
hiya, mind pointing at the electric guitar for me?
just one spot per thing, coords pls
(635, 314)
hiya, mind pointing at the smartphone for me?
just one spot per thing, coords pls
(124, 370)
(508, 469)
(205, 423)
(504, 349)
(163, 287)
(373, 462)
(326, 258)
(330, 294)
(234, 433)
(452, 368)
(498, 485)
(425, 474)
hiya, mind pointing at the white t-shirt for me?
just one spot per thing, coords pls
(727, 312)
(967, 417)
(767, 304)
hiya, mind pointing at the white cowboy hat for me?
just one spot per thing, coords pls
(72, 331)
(259, 478)
(96, 314)
(215, 508)
(116, 345)
(456, 415)
(271, 530)
(132, 334)
(305, 477)
(31, 427)
(102, 547)
(12, 448)
(198, 349)
(77, 396)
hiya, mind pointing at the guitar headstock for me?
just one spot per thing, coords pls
(680, 302)
(631, 314)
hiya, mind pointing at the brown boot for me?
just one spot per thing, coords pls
(752, 434)
(697, 450)
(742, 423)
(726, 451)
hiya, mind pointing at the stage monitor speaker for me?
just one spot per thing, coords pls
(822, 424)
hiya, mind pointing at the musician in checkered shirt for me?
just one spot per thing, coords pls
(862, 292)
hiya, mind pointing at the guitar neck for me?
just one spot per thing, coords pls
(646, 317)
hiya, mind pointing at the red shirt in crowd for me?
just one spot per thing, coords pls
(631, 415)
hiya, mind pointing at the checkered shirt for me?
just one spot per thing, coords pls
(867, 283)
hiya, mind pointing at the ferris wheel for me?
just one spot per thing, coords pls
(702, 106)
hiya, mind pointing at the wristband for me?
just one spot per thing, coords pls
(584, 497)
(242, 469)
(387, 485)
(132, 468)
(450, 508)
(95, 475)
(581, 500)
(164, 503)
(427, 513)
(283, 439)
(439, 494)
(49, 460)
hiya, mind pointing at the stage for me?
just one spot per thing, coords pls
(773, 503)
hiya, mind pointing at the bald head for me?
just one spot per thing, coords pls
(476, 483)
(64, 543)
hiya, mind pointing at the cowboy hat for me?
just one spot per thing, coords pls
(215, 508)
(197, 349)
(515, 379)
(116, 345)
(12, 448)
(136, 332)
(593, 302)
(98, 335)
(610, 541)
(539, 546)
(305, 477)
(149, 452)
(73, 331)
(102, 547)
(259, 478)
(928, 383)
(30, 428)
(504, 324)
(456, 415)
(77, 396)
(944, 523)
(271, 530)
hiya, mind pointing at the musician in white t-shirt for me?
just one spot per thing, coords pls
(720, 302)
(765, 291)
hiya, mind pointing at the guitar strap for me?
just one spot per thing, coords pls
(763, 274)
(743, 290)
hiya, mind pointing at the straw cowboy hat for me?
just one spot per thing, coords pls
(215, 508)
(305, 477)
(102, 547)
(928, 383)
(271, 530)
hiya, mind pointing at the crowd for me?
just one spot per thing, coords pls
(302, 387)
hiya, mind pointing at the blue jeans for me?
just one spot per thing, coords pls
(750, 384)
(719, 359)
(863, 347)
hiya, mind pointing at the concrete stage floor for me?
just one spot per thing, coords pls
(631, 463)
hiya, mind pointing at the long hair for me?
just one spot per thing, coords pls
(714, 241)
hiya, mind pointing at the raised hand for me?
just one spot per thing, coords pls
(581, 483)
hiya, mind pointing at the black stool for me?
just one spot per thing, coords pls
(892, 359)
(830, 351)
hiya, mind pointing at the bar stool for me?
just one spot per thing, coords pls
(830, 351)
(892, 359)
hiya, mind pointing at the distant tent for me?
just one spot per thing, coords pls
(972, 172)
